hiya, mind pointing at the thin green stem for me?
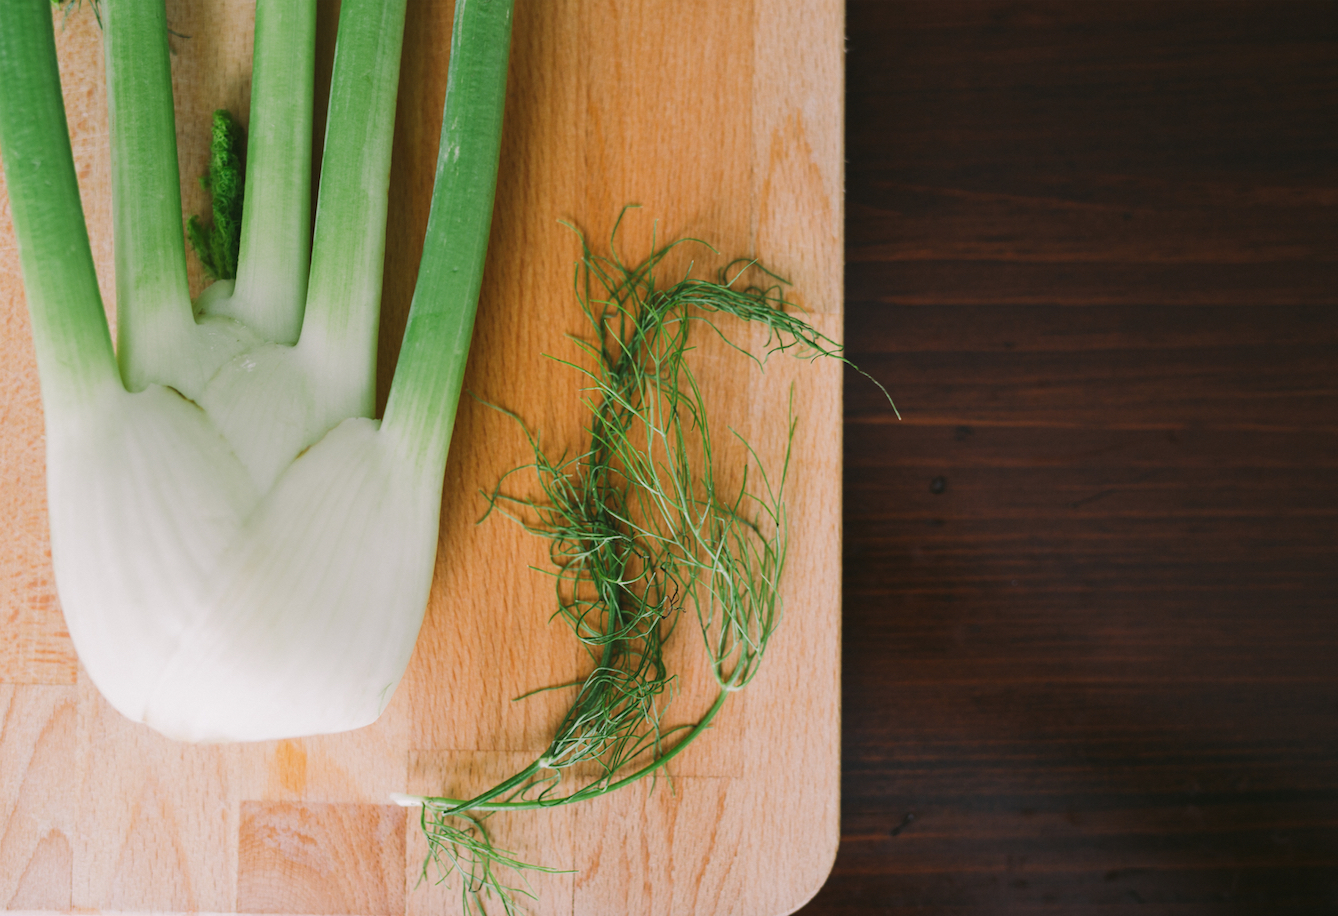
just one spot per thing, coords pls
(152, 297)
(454, 805)
(275, 253)
(428, 378)
(478, 802)
(74, 351)
(338, 339)
(702, 725)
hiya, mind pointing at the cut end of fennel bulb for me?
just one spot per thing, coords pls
(248, 615)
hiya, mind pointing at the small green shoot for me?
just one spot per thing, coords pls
(218, 243)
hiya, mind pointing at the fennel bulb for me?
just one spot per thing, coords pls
(242, 552)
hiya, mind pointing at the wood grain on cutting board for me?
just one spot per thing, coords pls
(724, 122)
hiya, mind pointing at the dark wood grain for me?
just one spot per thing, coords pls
(1091, 578)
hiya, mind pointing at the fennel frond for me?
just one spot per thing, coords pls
(644, 527)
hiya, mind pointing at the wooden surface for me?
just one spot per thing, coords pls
(722, 126)
(1091, 583)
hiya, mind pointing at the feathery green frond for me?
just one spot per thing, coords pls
(644, 526)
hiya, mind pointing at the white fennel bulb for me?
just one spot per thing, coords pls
(242, 551)
(247, 613)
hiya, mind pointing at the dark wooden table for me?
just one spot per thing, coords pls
(1091, 578)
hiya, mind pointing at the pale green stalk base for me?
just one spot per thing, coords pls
(275, 252)
(430, 372)
(338, 343)
(74, 351)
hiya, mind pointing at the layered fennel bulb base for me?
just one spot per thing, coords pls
(211, 611)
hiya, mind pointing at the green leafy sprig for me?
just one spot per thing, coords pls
(217, 244)
(641, 524)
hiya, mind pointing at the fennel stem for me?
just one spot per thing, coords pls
(275, 245)
(152, 295)
(74, 348)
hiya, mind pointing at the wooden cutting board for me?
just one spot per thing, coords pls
(724, 121)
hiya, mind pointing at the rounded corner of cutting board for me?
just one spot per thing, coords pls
(804, 895)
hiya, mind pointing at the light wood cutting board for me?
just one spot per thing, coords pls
(724, 121)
